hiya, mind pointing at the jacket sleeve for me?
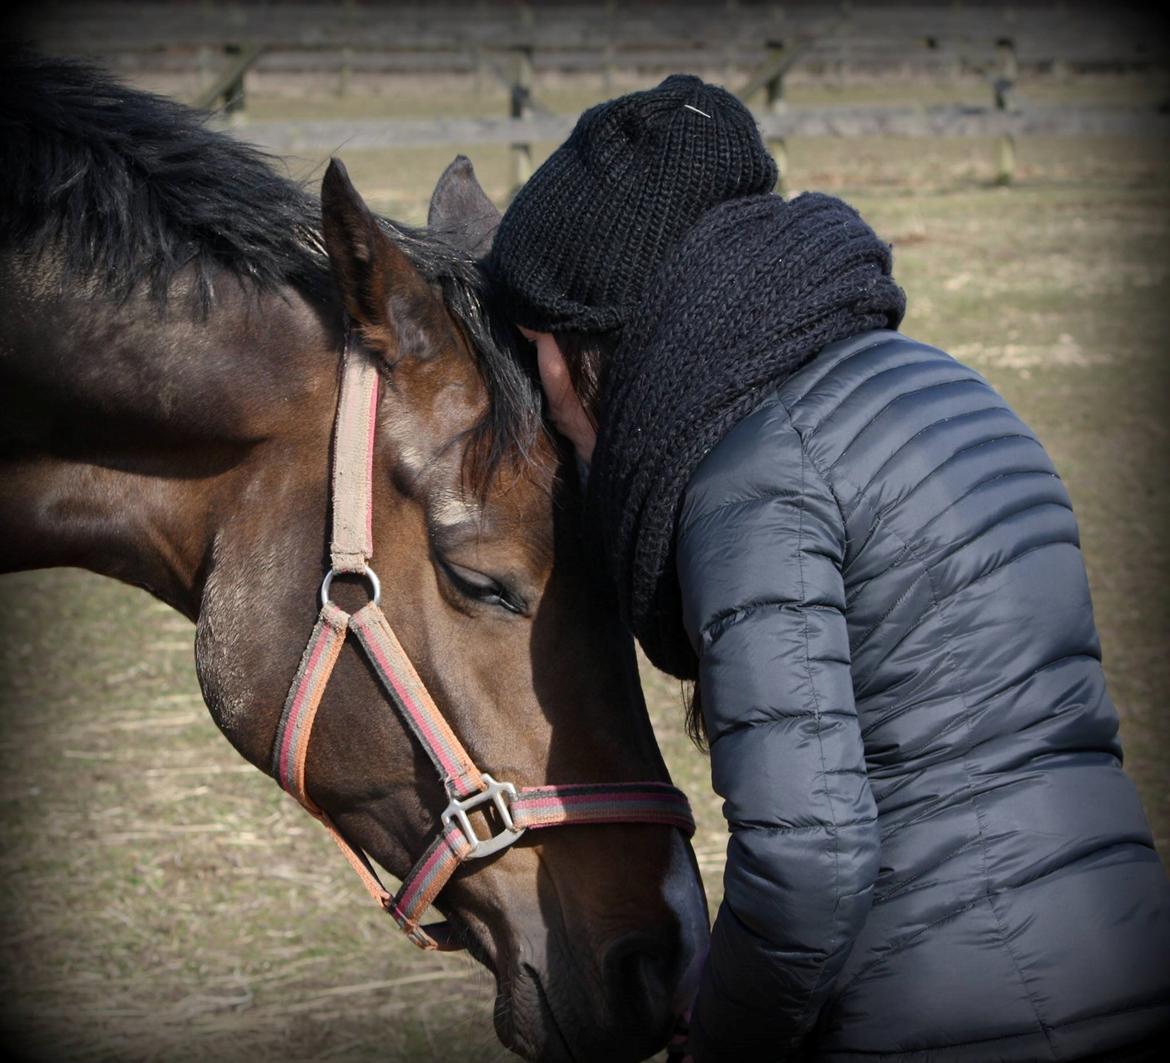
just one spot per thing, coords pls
(760, 548)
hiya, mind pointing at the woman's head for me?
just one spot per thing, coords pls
(572, 365)
(577, 248)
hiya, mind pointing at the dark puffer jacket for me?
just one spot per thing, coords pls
(934, 851)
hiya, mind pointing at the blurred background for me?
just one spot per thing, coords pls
(163, 900)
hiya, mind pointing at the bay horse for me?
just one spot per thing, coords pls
(173, 317)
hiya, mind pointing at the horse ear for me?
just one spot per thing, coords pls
(461, 211)
(380, 287)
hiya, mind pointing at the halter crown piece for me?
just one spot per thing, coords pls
(518, 808)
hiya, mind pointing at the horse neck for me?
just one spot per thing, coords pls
(131, 435)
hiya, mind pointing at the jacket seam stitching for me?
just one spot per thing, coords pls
(922, 431)
(906, 885)
(938, 602)
(990, 698)
(825, 415)
(731, 618)
(905, 395)
(966, 449)
(888, 509)
(747, 500)
(1059, 504)
(954, 913)
(900, 710)
(764, 828)
(927, 671)
(903, 597)
(806, 456)
(909, 752)
(779, 715)
(902, 554)
(843, 360)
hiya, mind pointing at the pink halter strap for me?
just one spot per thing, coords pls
(518, 808)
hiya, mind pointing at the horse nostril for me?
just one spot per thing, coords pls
(642, 970)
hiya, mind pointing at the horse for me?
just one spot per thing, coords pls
(175, 321)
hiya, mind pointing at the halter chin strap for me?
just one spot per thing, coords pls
(516, 808)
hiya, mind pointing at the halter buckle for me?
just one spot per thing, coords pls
(499, 794)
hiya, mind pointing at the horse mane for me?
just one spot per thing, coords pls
(132, 188)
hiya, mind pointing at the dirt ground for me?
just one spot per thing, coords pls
(162, 900)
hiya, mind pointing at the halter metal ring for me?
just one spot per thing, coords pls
(495, 792)
(366, 573)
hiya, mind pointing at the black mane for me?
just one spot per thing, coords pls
(134, 187)
(131, 188)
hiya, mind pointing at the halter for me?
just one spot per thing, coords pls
(518, 808)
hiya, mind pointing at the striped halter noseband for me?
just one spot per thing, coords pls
(517, 808)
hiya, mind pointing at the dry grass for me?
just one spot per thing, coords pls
(163, 901)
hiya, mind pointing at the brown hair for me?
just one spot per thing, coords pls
(586, 355)
(696, 723)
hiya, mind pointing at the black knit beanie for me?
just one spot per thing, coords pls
(577, 247)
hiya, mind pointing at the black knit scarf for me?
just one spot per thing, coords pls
(753, 291)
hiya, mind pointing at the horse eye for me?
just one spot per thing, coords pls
(481, 588)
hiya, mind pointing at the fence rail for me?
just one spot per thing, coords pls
(512, 42)
(453, 36)
(823, 121)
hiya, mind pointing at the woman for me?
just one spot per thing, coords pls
(870, 567)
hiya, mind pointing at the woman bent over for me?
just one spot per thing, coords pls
(871, 569)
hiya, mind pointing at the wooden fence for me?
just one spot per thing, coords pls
(761, 43)
(446, 36)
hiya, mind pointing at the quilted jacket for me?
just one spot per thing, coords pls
(934, 852)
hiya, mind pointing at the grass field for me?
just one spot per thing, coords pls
(161, 900)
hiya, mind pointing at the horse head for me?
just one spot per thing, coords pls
(592, 931)
(172, 330)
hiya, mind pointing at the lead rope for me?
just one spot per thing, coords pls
(518, 808)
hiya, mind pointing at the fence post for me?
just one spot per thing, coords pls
(845, 62)
(233, 93)
(1007, 69)
(228, 86)
(345, 72)
(730, 53)
(774, 99)
(609, 54)
(479, 16)
(520, 104)
(206, 64)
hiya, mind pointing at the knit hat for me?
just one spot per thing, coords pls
(577, 247)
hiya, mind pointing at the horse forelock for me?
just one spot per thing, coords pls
(512, 427)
